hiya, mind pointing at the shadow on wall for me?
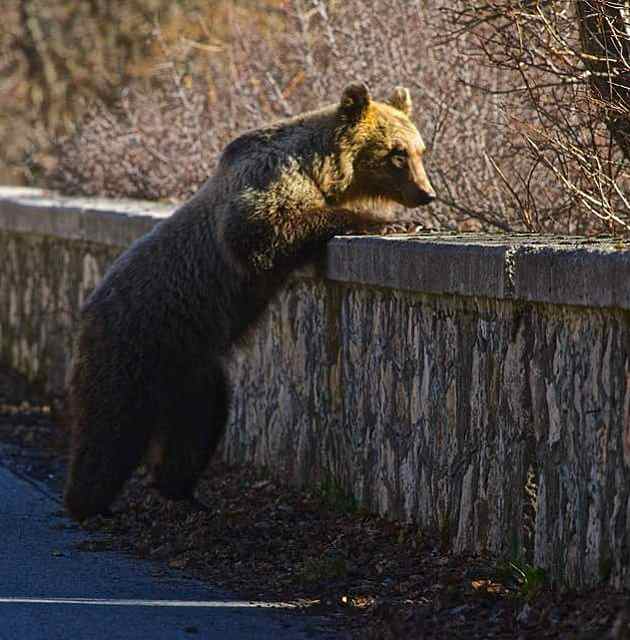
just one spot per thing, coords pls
(16, 389)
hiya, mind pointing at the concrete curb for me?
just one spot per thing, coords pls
(115, 223)
(545, 269)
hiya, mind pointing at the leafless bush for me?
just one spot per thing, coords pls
(517, 141)
(59, 56)
(164, 144)
(564, 95)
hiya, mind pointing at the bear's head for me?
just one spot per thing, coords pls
(380, 150)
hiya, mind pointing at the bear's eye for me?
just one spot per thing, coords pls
(398, 157)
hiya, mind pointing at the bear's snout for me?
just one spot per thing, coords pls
(415, 196)
(425, 197)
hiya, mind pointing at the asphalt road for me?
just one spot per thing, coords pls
(51, 590)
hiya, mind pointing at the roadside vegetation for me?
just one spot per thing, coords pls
(523, 104)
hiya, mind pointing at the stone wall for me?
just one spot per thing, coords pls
(479, 385)
(53, 251)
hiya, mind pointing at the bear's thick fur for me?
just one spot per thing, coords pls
(147, 372)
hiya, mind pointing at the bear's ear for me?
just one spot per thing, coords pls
(401, 100)
(355, 100)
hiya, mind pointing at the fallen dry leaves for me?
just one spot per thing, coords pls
(371, 577)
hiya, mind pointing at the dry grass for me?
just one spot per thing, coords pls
(59, 57)
(56, 57)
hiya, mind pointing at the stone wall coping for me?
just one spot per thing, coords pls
(564, 270)
(102, 220)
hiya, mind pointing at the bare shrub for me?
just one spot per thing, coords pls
(564, 94)
(56, 56)
(163, 144)
(59, 56)
(148, 149)
(516, 140)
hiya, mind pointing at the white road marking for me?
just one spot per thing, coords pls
(111, 602)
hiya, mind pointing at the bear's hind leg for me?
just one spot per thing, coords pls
(103, 457)
(190, 432)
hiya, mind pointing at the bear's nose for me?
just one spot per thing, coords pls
(426, 197)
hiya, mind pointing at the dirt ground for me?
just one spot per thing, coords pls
(375, 579)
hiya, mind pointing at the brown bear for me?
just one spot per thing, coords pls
(147, 370)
